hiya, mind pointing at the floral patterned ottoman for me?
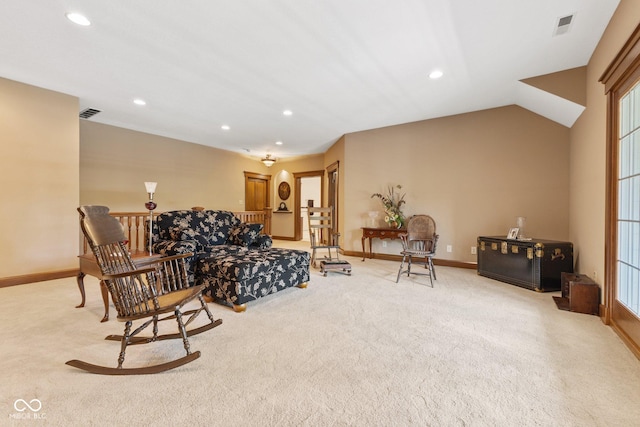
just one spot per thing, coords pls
(235, 279)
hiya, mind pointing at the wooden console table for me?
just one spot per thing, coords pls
(89, 265)
(379, 233)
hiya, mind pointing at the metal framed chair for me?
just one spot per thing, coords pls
(419, 241)
(321, 233)
(141, 294)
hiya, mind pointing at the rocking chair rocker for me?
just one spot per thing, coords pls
(137, 294)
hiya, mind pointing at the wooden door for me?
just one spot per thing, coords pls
(622, 245)
(298, 194)
(257, 193)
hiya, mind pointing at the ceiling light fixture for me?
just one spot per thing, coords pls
(268, 160)
(78, 18)
(435, 74)
(279, 142)
(287, 112)
(139, 101)
(225, 127)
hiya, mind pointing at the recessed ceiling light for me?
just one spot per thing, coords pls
(78, 18)
(435, 74)
(139, 101)
(225, 127)
(278, 142)
(287, 112)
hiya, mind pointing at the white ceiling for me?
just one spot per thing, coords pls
(340, 65)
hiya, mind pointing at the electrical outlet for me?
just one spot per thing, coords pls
(384, 243)
(449, 248)
(241, 201)
(595, 275)
(473, 250)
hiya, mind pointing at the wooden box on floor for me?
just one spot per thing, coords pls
(580, 294)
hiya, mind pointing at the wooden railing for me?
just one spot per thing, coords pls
(133, 224)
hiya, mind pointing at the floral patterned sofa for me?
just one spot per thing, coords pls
(234, 261)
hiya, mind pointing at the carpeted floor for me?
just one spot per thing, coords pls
(346, 351)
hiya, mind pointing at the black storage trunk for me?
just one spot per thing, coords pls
(533, 264)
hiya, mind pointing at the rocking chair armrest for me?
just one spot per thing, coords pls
(158, 261)
(135, 272)
(172, 257)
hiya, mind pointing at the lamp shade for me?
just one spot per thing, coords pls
(268, 160)
(150, 186)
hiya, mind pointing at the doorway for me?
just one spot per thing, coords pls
(622, 241)
(313, 183)
(310, 195)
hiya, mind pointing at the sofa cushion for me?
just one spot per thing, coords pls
(209, 227)
(245, 234)
(181, 233)
(222, 222)
(263, 241)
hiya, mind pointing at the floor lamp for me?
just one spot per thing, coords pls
(151, 205)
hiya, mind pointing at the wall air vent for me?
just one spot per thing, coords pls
(563, 25)
(88, 113)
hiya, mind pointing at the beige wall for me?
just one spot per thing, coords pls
(39, 180)
(523, 169)
(568, 84)
(588, 148)
(473, 173)
(115, 163)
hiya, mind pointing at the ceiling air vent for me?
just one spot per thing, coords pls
(563, 25)
(88, 113)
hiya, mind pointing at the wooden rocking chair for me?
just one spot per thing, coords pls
(322, 234)
(141, 294)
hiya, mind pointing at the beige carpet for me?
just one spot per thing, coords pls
(346, 351)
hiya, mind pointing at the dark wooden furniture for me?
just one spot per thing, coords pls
(149, 295)
(580, 294)
(378, 233)
(419, 242)
(89, 265)
(533, 264)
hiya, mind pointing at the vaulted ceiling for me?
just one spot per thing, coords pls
(338, 66)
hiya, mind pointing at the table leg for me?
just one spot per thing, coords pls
(80, 280)
(105, 300)
(370, 247)
(363, 252)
